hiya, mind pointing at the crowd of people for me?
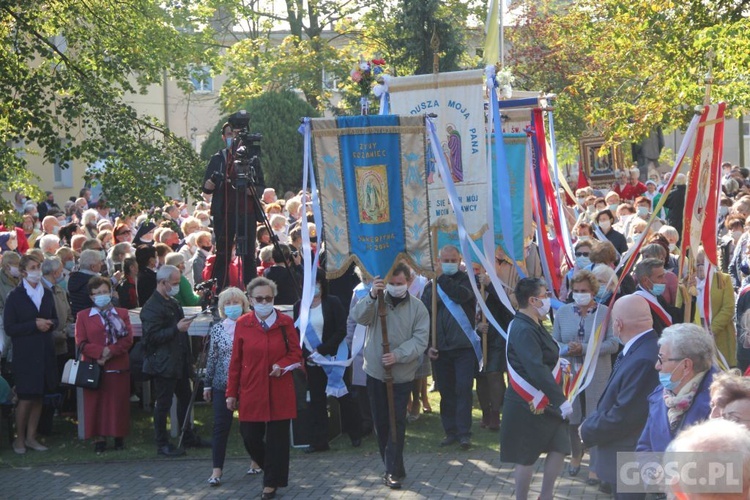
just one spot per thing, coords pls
(669, 331)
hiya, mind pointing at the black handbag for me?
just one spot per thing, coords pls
(79, 373)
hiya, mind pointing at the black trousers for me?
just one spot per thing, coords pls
(391, 453)
(164, 388)
(268, 445)
(351, 420)
(226, 231)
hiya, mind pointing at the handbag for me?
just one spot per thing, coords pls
(80, 373)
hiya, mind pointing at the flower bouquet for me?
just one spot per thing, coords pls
(364, 75)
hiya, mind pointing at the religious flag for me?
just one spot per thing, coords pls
(373, 195)
(492, 33)
(704, 183)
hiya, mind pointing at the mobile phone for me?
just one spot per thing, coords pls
(118, 267)
(192, 317)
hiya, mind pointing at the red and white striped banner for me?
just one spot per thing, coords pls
(704, 183)
(666, 318)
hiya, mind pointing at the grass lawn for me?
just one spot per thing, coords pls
(422, 436)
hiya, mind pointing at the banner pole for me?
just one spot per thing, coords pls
(433, 321)
(483, 321)
(382, 312)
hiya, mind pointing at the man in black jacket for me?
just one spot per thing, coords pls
(90, 264)
(454, 356)
(230, 209)
(167, 359)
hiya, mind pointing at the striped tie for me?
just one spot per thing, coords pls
(618, 361)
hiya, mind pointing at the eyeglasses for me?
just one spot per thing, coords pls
(501, 261)
(733, 417)
(261, 299)
(661, 360)
(582, 254)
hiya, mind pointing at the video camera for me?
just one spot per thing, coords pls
(247, 148)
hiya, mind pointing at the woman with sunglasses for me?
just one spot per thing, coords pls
(260, 384)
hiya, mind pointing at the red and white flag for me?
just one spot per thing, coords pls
(704, 183)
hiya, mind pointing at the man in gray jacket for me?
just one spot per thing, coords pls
(408, 326)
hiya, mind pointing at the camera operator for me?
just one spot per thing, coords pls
(230, 208)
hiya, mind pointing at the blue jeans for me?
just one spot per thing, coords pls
(455, 371)
(391, 453)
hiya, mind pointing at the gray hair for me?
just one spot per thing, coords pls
(165, 272)
(174, 259)
(89, 258)
(51, 265)
(448, 248)
(120, 250)
(260, 281)
(669, 232)
(48, 241)
(654, 251)
(89, 215)
(687, 340)
(646, 267)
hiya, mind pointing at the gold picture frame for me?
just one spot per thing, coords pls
(600, 170)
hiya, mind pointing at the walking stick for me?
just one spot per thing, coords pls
(483, 321)
(382, 311)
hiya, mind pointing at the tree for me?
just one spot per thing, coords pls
(624, 67)
(66, 69)
(276, 116)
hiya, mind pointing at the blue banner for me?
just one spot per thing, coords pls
(515, 193)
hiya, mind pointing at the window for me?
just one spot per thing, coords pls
(330, 81)
(202, 80)
(746, 129)
(63, 174)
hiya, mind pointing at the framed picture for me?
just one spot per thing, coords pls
(600, 170)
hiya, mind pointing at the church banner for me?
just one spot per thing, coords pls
(373, 196)
(457, 100)
(517, 191)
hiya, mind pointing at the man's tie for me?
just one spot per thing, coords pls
(264, 325)
(618, 361)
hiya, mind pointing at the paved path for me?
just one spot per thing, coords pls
(473, 474)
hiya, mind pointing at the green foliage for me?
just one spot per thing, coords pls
(276, 116)
(66, 70)
(621, 68)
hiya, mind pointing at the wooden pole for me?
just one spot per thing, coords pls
(382, 312)
(433, 305)
(483, 321)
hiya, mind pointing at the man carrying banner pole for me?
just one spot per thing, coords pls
(408, 325)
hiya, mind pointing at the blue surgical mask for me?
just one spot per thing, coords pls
(229, 142)
(69, 265)
(233, 311)
(665, 379)
(317, 290)
(173, 290)
(582, 262)
(642, 211)
(658, 288)
(450, 268)
(102, 300)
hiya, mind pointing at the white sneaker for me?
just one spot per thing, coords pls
(135, 399)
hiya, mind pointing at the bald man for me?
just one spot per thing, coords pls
(621, 414)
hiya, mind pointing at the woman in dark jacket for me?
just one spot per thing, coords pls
(528, 429)
(30, 318)
(325, 335)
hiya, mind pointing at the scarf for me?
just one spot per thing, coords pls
(678, 404)
(114, 326)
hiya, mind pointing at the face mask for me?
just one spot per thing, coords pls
(102, 300)
(582, 299)
(591, 209)
(658, 289)
(205, 222)
(33, 277)
(584, 238)
(544, 308)
(636, 237)
(672, 246)
(723, 210)
(449, 268)
(14, 271)
(397, 291)
(603, 292)
(642, 211)
(233, 311)
(228, 141)
(665, 379)
(736, 234)
(263, 310)
(613, 207)
(605, 225)
(317, 290)
(582, 262)
(581, 201)
(56, 230)
(173, 290)
(69, 265)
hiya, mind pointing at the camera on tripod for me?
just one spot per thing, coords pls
(247, 152)
(205, 285)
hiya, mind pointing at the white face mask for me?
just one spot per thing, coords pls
(672, 246)
(544, 308)
(605, 224)
(173, 290)
(33, 277)
(14, 271)
(263, 310)
(397, 291)
(582, 299)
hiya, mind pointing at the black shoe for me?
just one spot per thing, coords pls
(356, 442)
(100, 447)
(465, 443)
(605, 488)
(392, 482)
(195, 441)
(448, 440)
(592, 481)
(268, 495)
(119, 444)
(316, 449)
(170, 451)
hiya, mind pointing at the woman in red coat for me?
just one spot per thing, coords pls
(266, 346)
(104, 334)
